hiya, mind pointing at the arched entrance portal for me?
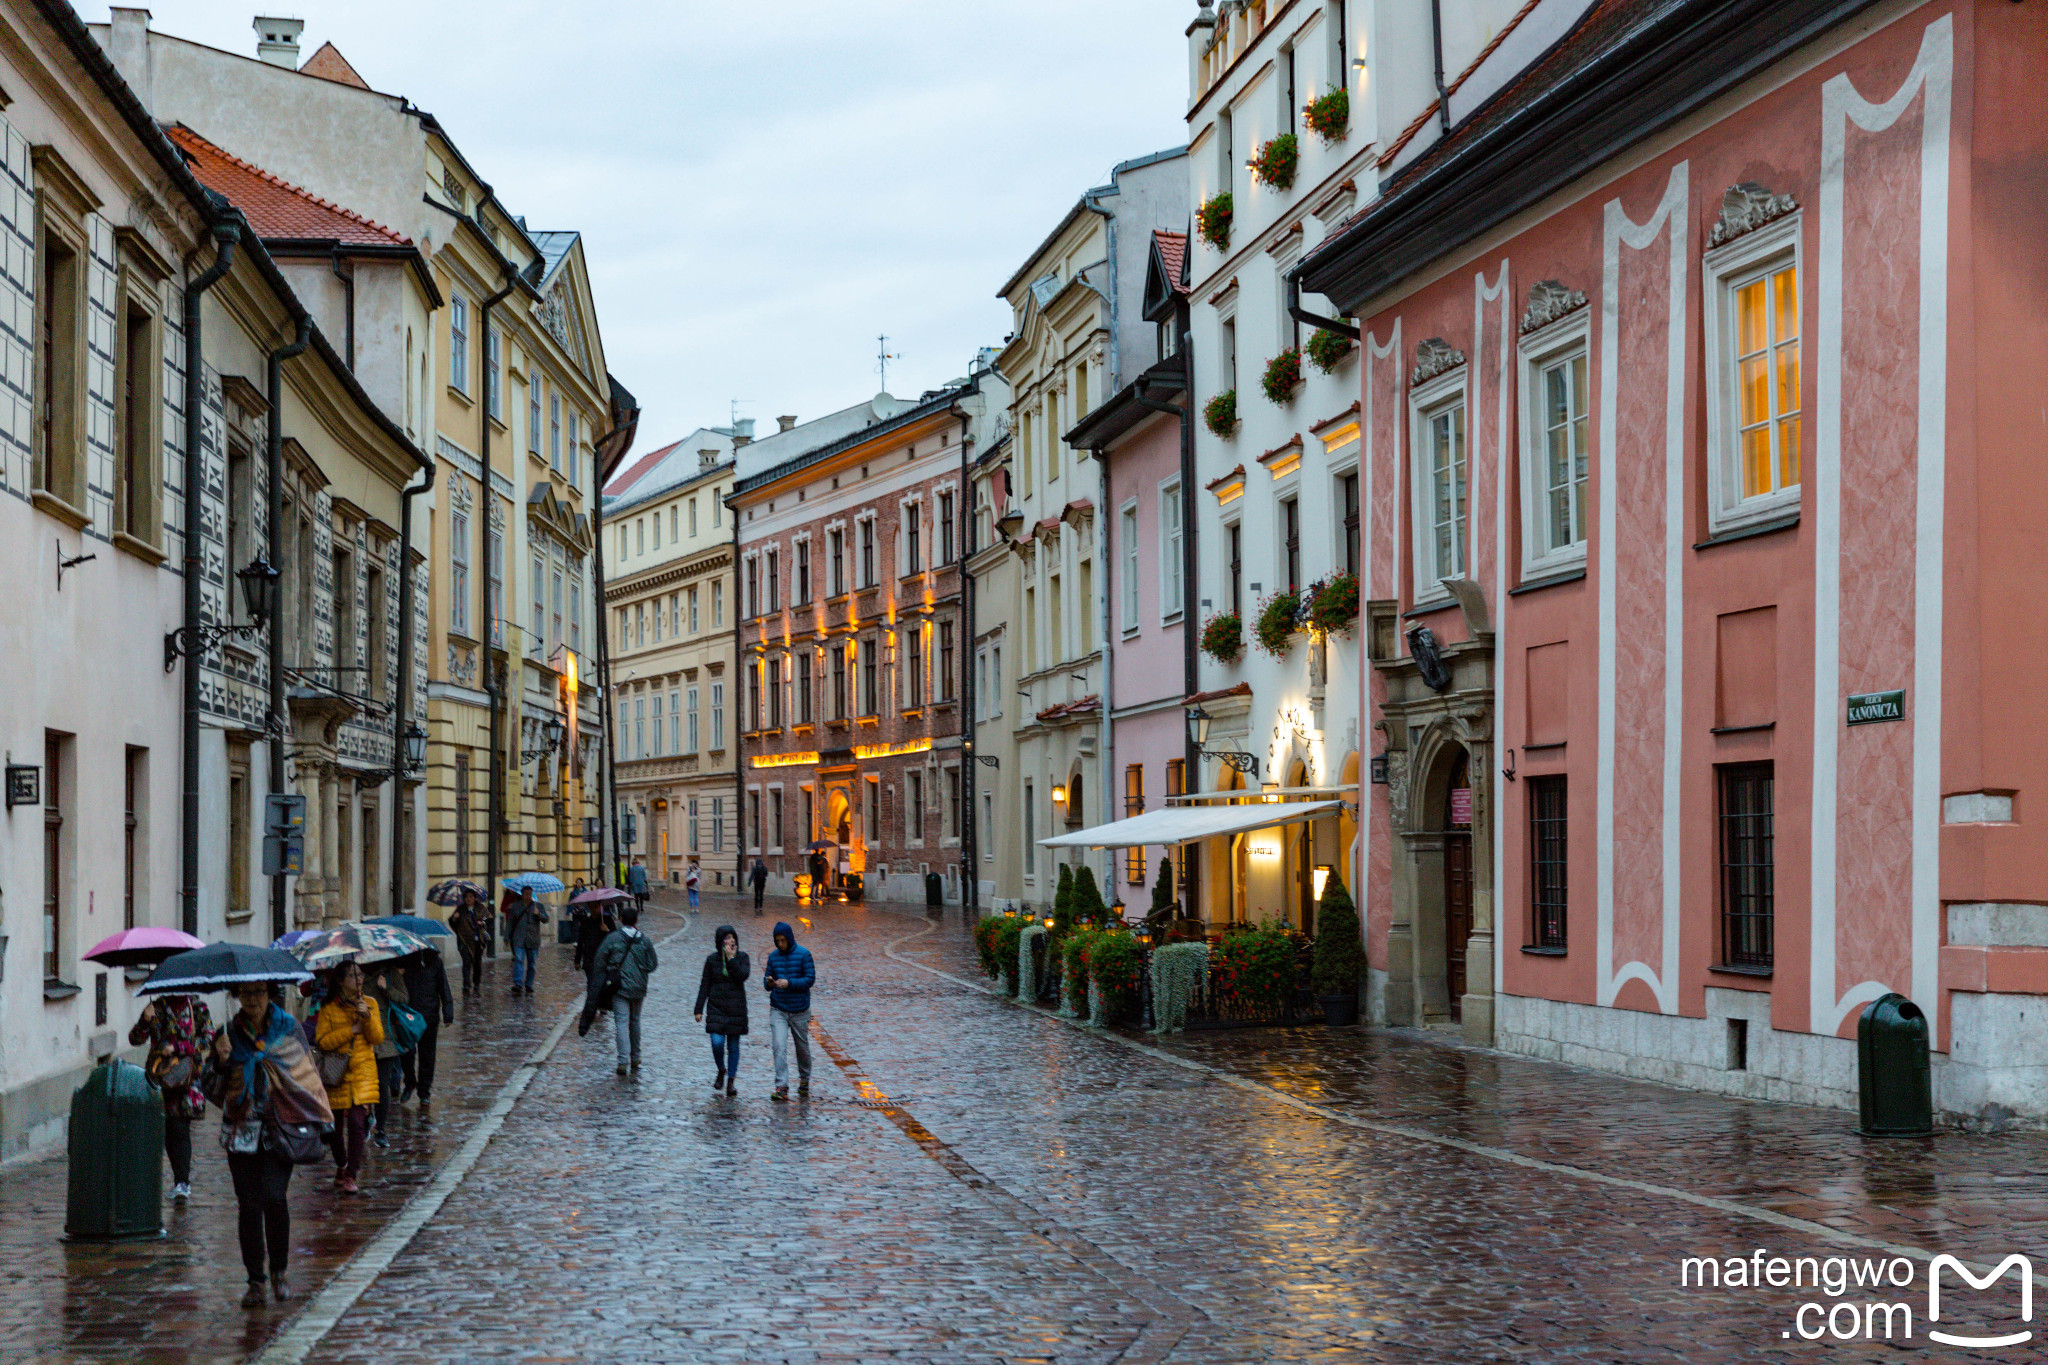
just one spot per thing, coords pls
(1455, 820)
(852, 853)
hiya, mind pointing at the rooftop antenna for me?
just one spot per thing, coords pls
(883, 355)
(733, 412)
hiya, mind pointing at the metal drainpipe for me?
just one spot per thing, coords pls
(226, 234)
(607, 777)
(1443, 96)
(494, 672)
(402, 705)
(970, 870)
(739, 704)
(1185, 416)
(273, 390)
(1116, 380)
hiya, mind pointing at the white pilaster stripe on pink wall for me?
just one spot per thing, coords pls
(1932, 76)
(1496, 590)
(1619, 231)
(1369, 551)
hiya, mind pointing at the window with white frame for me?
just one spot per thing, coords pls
(458, 571)
(1554, 445)
(458, 342)
(494, 603)
(1754, 426)
(717, 715)
(1437, 455)
(533, 431)
(1171, 602)
(555, 431)
(1127, 595)
(690, 719)
(494, 355)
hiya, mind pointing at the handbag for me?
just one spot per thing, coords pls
(302, 1144)
(333, 1068)
(404, 1025)
(170, 1074)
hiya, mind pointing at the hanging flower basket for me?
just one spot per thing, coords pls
(1333, 603)
(1327, 349)
(1223, 638)
(1220, 413)
(1213, 221)
(1277, 162)
(1279, 618)
(1283, 376)
(1328, 115)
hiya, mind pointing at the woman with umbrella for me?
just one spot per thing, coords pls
(179, 1030)
(471, 934)
(350, 1025)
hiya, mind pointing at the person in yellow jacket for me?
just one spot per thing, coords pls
(350, 1024)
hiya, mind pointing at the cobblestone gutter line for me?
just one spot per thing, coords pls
(296, 1342)
(1396, 1130)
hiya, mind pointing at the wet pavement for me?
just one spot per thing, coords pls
(976, 1181)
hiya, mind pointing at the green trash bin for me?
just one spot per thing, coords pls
(116, 1148)
(1893, 1076)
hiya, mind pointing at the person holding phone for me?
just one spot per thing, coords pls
(350, 1024)
(722, 1005)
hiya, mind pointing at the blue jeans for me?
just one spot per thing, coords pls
(528, 960)
(725, 1050)
(693, 898)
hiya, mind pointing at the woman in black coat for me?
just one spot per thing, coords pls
(722, 1005)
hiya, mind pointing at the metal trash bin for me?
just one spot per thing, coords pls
(116, 1152)
(1893, 1076)
(934, 891)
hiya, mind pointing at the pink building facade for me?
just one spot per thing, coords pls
(1704, 488)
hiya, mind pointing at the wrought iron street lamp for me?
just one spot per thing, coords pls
(410, 759)
(259, 601)
(1198, 725)
(550, 740)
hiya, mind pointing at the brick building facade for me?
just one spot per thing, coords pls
(852, 648)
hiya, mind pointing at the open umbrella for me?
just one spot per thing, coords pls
(413, 924)
(144, 947)
(817, 845)
(363, 943)
(540, 883)
(450, 891)
(598, 894)
(295, 936)
(221, 967)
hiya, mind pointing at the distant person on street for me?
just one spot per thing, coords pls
(236, 1080)
(426, 983)
(590, 933)
(467, 920)
(522, 930)
(636, 882)
(384, 985)
(818, 876)
(759, 879)
(722, 1005)
(789, 976)
(179, 1032)
(350, 1024)
(632, 954)
(693, 880)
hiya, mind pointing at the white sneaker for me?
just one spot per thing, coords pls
(181, 1193)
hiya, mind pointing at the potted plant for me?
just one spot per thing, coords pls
(1339, 954)
(1277, 162)
(1009, 932)
(1219, 414)
(1074, 970)
(1333, 603)
(1255, 965)
(1327, 349)
(1283, 376)
(1115, 963)
(1223, 637)
(1278, 619)
(1328, 115)
(1212, 220)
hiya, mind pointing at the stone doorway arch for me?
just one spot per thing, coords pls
(1443, 920)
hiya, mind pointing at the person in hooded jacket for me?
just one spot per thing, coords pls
(722, 1005)
(789, 976)
(633, 954)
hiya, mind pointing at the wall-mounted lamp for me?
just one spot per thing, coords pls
(259, 601)
(1321, 877)
(1270, 791)
(1198, 726)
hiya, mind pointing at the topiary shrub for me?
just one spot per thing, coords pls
(1219, 414)
(1282, 377)
(1279, 618)
(1340, 951)
(1088, 902)
(985, 930)
(1327, 349)
(1178, 971)
(1162, 889)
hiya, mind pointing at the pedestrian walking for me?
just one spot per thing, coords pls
(349, 1025)
(426, 981)
(523, 919)
(693, 881)
(636, 882)
(236, 1080)
(759, 878)
(384, 985)
(179, 1031)
(722, 1005)
(467, 920)
(631, 954)
(789, 976)
(591, 930)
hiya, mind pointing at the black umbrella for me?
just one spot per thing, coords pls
(222, 967)
(818, 844)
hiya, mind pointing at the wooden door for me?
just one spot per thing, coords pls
(1457, 913)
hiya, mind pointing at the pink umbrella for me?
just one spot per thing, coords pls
(144, 947)
(597, 894)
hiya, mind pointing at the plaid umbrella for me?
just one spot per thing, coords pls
(355, 943)
(450, 891)
(540, 883)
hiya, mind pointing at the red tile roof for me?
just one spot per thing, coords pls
(276, 208)
(1091, 702)
(1173, 254)
(329, 65)
(632, 473)
(1243, 689)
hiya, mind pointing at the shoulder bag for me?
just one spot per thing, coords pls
(333, 1067)
(302, 1144)
(404, 1025)
(171, 1074)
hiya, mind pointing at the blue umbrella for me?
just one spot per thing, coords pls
(540, 883)
(412, 924)
(293, 937)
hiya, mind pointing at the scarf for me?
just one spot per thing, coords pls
(248, 1052)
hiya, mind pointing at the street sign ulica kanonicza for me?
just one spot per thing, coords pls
(1868, 708)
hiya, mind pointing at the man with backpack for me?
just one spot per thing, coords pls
(789, 976)
(624, 962)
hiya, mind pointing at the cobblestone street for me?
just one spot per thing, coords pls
(971, 1180)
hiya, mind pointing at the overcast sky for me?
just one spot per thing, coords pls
(764, 188)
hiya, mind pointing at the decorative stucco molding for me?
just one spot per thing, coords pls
(1432, 358)
(1550, 300)
(1745, 208)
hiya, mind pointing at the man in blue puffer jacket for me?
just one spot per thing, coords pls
(789, 976)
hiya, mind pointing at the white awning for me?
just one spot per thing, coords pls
(1184, 824)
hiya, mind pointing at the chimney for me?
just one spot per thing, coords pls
(128, 49)
(708, 457)
(277, 40)
(785, 423)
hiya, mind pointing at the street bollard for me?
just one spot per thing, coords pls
(1894, 1084)
(116, 1154)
